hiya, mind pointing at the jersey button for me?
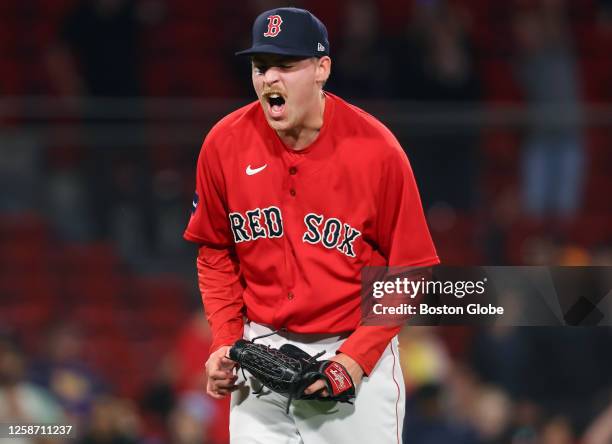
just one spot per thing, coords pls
(292, 170)
(290, 295)
(292, 192)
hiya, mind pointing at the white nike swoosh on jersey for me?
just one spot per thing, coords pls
(250, 171)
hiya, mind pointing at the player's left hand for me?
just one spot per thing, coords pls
(351, 366)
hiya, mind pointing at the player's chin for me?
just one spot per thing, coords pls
(278, 124)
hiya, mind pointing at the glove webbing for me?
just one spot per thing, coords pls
(260, 357)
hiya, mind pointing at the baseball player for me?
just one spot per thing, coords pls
(296, 193)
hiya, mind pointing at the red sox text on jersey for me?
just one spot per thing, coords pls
(268, 223)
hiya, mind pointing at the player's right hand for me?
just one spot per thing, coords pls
(221, 378)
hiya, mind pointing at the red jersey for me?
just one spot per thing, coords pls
(302, 225)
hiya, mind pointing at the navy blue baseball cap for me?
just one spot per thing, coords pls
(288, 31)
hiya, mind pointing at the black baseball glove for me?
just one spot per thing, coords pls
(290, 370)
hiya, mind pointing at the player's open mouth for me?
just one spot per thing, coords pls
(276, 104)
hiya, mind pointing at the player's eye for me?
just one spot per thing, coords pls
(261, 69)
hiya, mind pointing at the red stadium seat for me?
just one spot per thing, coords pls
(501, 148)
(96, 319)
(204, 11)
(591, 230)
(582, 11)
(24, 228)
(596, 76)
(206, 78)
(599, 141)
(54, 10)
(98, 288)
(597, 194)
(94, 258)
(115, 360)
(520, 232)
(456, 244)
(24, 256)
(11, 10)
(160, 291)
(164, 321)
(9, 32)
(499, 81)
(587, 40)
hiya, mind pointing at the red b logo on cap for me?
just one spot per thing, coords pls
(274, 23)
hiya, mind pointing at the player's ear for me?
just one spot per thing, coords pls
(323, 69)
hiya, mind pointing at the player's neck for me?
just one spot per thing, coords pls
(301, 137)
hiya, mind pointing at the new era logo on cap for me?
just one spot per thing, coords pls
(290, 32)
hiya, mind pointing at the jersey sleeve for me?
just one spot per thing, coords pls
(403, 239)
(401, 229)
(208, 223)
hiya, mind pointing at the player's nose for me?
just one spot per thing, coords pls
(272, 75)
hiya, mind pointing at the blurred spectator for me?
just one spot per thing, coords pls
(491, 415)
(540, 250)
(61, 369)
(361, 68)
(527, 417)
(567, 364)
(426, 422)
(97, 51)
(498, 356)
(553, 162)
(434, 66)
(97, 54)
(192, 351)
(159, 398)
(574, 255)
(21, 401)
(66, 204)
(462, 387)
(602, 256)
(191, 419)
(434, 59)
(168, 186)
(113, 421)
(600, 430)
(20, 170)
(122, 199)
(605, 14)
(424, 359)
(557, 431)
(500, 217)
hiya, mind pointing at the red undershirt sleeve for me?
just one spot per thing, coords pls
(367, 343)
(219, 278)
(221, 287)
